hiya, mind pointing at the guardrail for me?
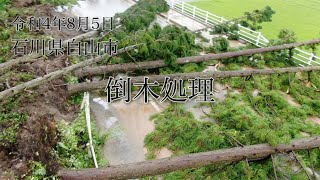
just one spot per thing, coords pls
(246, 34)
(306, 58)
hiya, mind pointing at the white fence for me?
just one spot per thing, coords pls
(210, 19)
(306, 58)
(244, 33)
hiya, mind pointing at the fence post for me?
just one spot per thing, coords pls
(172, 3)
(194, 12)
(182, 8)
(311, 58)
(207, 15)
(258, 38)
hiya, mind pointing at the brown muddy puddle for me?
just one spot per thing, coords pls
(128, 124)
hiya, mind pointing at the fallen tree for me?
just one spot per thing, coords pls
(56, 74)
(161, 166)
(89, 71)
(34, 57)
(88, 86)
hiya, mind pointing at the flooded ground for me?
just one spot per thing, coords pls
(127, 124)
(101, 8)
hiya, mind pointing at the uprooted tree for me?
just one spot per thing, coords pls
(175, 47)
(56, 74)
(89, 86)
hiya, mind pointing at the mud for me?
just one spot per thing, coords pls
(34, 142)
(22, 3)
(315, 119)
(44, 105)
(127, 124)
(164, 153)
(291, 100)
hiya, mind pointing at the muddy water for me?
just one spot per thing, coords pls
(101, 8)
(128, 124)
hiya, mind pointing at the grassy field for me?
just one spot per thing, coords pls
(301, 16)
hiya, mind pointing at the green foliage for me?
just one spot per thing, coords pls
(71, 79)
(4, 31)
(193, 67)
(75, 99)
(277, 59)
(254, 61)
(168, 43)
(266, 117)
(3, 4)
(254, 19)
(177, 129)
(307, 96)
(285, 36)
(58, 2)
(38, 171)
(142, 14)
(72, 150)
(220, 44)
(226, 28)
(8, 32)
(10, 122)
(24, 77)
(271, 59)
(231, 67)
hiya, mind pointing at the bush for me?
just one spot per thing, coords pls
(72, 150)
(221, 44)
(142, 14)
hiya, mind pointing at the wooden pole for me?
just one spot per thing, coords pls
(55, 75)
(88, 86)
(89, 71)
(161, 166)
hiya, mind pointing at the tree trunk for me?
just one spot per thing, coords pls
(87, 71)
(161, 166)
(54, 75)
(88, 86)
(34, 57)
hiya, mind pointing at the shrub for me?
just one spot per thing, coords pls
(221, 44)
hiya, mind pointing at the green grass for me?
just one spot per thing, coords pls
(301, 16)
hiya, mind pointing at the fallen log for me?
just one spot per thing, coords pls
(161, 166)
(89, 71)
(34, 57)
(56, 74)
(89, 86)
